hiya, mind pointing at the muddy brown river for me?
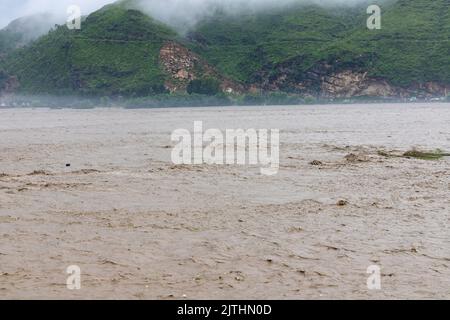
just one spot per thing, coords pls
(140, 227)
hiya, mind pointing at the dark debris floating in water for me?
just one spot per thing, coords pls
(435, 155)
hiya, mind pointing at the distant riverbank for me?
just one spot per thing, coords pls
(182, 100)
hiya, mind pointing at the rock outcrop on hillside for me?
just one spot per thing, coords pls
(182, 66)
(331, 82)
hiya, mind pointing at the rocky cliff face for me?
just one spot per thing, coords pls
(332, 81)
(182, 66)
(347, 84)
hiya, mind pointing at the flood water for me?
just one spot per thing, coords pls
(141, 227)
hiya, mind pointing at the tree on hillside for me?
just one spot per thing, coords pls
(206, 86)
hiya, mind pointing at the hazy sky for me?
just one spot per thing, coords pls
(166, 10)
(12, 9)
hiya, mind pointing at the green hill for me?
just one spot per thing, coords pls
(244, 44)
(305, 50)
(115, 53)
(413, 45)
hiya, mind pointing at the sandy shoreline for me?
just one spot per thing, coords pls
(141, 228)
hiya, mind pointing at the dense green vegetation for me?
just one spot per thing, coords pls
(412, 46)
(242, 45)
(8, 41)
(116, 53)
